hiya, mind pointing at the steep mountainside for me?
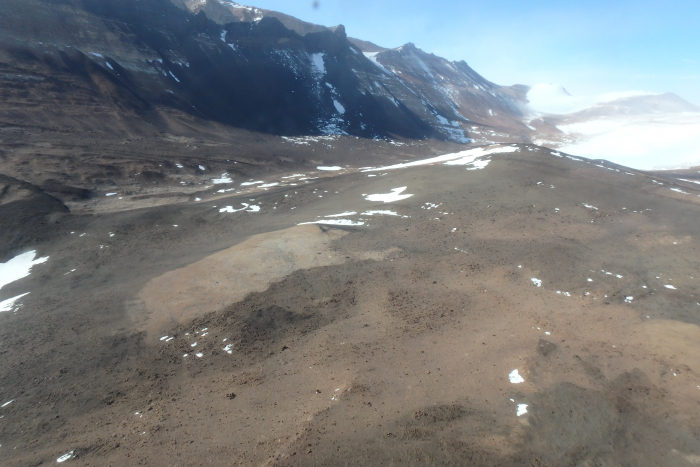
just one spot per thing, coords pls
(133, 61)
(452, 98)
(450, 95)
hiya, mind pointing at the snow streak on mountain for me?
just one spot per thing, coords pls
(245, 68)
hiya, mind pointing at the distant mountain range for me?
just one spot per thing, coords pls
(139, 63)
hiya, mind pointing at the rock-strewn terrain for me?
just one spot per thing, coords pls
(391, 334)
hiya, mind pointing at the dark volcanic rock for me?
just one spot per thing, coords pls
(26, 213)
(63, 190)
(545, 347)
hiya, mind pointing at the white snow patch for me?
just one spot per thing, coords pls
(678, 190)
(536, 281)
(246, 207)
(19, 267)
(395, 195)
(477, 165)
(224, 179)
(251, 183)
(318, 65)
(339, 107)
(65, 457)
(381, 213)
(460, 158)
(372, 56)
(202, 168)
(111, 194)
(515, 377)
(9, 304)
(345, 214)
(334, 222)
(670, 287)
(330, 169)
(522, 410)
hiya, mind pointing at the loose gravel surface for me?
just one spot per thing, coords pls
(535, 309)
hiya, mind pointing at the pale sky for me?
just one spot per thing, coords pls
(589, 47)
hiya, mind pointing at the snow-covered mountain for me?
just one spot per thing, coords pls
(637, 129)
(549, 98)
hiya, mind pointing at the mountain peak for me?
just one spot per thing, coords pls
(409, 46)
(339, 30)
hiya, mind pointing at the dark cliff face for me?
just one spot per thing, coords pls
(285, 83)
(145, 54)
(135, 59)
